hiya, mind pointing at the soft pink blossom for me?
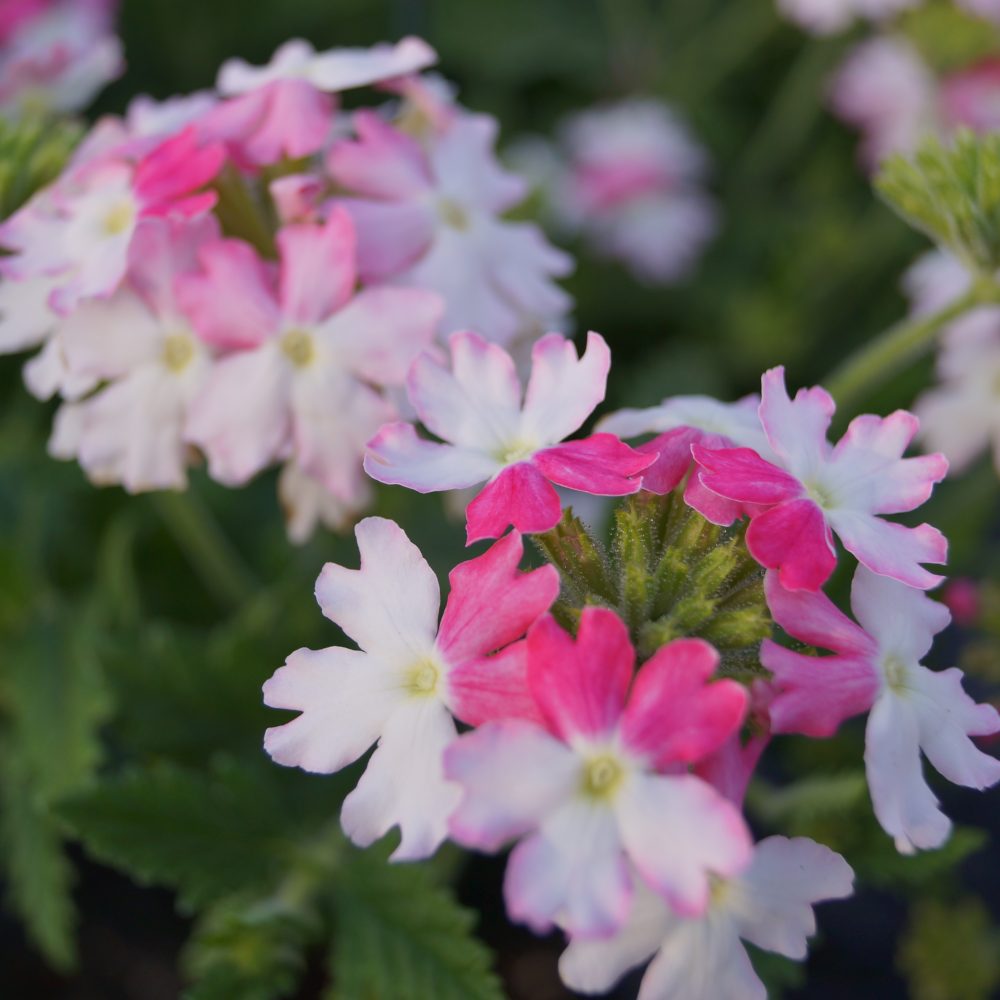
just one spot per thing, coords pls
(770, 904)
(429, 216)
(305, 354)
(971, 96)
(410, 675)
(826, 17)
(876, 668)
(816, 489)
(586, 795)
(492, 435)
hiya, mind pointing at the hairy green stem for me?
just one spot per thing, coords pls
(211, 554)
(891, 351)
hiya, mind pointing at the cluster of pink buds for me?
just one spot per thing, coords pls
(55, 55)
(614, 705)
(245, 275)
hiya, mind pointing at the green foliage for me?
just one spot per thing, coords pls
(400, 937)
(951, 191)
(669, 573)
(950, 951)
(53, 703)
(33, 150)
(948, 37)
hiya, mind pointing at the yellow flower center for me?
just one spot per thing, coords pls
(299, 348)
(178, 351)
(601, 776)
(718, 889)
(820, 494)
(119, 217)
(452, 214)
(422, 679)
(895, 673)
(515, 451)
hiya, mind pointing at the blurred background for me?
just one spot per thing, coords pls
(152, 622)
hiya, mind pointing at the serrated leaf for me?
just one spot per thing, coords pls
(207, 834)
(401, 937)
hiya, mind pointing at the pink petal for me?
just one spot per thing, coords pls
(712, 507)
(673, 459)
(492, 602)
(396, 455)
(346, 68)
(564, 390)
(317, 273)
(520, 496)
(796, 429)
(581, 685)
(741, 474)
(381, 163)
(600, 464)
(572, 870)
(488, 688)
(392, 235)
(477, 403)
(232, 302)
(513, 773)
(794, 539)
(176, 168)
(380, 332)
(389, 605)
(729, 769)
(891, 549)
(677, 831)
(673, 715)
(814, 619)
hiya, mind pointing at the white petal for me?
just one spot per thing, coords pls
(903, 803)
(390, 605)
(404, 783)
(775, 895)
(25, 316)
(109, 338)
(345, 698)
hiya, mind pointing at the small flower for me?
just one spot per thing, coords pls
(429, 216)
(876, 668)
(816, 489)
(826, 17)
(491, 434)
(770, 904)
(585, 795)
(306, 351)
(408, 677)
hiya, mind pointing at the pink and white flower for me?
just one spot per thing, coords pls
(770, 904)
(633, 185)
(55, 55)
(79, 231)
(429, 216)
(408, 678)
(587, 794)
(285, 109)
(492, 436)
(680, 422)
(306, 351)
(826, 17)
(141, 345)
(876, 668)
(817, 489)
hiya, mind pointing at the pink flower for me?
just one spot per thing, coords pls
(408, 678)
(685, 420)
(971, 97)
(429, 217)
(876, 668)
(490, 434)
(80, 230)
(770, 904)
(817, 489)
(140, 344)
(634, 186)
(306, 353)
(826, 17)
(585, 795)
(285, 109)
(307, 504)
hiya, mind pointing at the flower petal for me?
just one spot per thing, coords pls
(741, 474)
(493, 687)
(520, 496)
(600, 465)
(796, 429)
(794, 539)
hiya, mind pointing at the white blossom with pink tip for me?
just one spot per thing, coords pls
(492, 435)
(876, 668)
(410, 675)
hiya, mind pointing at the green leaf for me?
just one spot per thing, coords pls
(401, 937)
(950, 951)
(951, 192)
(33, 151)
(207, 834)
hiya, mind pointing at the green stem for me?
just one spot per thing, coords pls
(241, 214)
(888, 353)
(211, 554)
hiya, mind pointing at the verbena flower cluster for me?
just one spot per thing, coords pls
(612, 711)
(247, 274)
